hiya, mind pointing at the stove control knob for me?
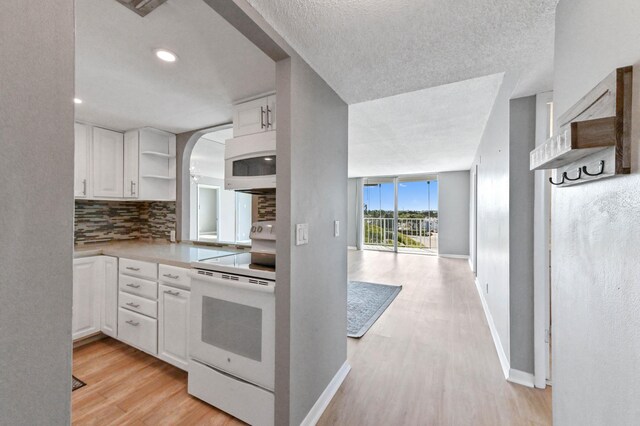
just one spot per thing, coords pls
(253, 229)
(259, 228)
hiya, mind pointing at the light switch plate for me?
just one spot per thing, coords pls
(336, 228)
(302, 234)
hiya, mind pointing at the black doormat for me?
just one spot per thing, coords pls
(76, 383)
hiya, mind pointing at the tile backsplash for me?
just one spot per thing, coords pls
(102, 221)
(267, 207)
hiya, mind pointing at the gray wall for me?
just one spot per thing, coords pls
(596, 235)
(522, 136)
(505, 223)
(312, 279)
(453, 213)
(36, 211)
(492, 159)
(351, 226)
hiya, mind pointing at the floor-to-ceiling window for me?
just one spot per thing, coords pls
(401, 214)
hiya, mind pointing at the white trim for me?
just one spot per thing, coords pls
(454, 256)
(504, 361)
(352, 248)
(323, 401)
(541, 246)
(521, 378)
(471, 264)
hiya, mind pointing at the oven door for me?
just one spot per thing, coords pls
(233, 327)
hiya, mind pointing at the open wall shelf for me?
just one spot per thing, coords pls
(594, 137)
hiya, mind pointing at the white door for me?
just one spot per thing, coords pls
(173, 326)
(107, 163)
(109, 297)
(86, 300)
(271, 105)
(131, 164)
(250, 117)
(81, 161)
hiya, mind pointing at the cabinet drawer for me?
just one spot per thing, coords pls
(139, 304)
(139, 269)
(138, 286)
(138, 330)
(174, 276)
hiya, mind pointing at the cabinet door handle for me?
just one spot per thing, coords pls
(262, 111)
(84, 187)
(133, 323)
(172, 293)
(131, 268)
(269, 123)
(133, 188)
(133, 305)
(133, 285)
(173, 277)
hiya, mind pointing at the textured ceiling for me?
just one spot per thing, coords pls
(431, 130)
(370, 49)
(124, 86)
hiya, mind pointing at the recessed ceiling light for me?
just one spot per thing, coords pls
(166, 55)
(77, 100)
(268, 159)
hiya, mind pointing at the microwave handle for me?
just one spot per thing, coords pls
(269, 288)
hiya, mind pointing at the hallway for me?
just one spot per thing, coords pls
(429, 359)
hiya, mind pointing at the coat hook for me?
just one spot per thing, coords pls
(565, 176)
(586, 172)
(556, 183)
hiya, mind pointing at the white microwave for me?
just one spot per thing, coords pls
(250, 163)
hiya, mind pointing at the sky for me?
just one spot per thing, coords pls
(411, 196)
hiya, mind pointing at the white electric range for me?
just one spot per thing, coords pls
(232, 336)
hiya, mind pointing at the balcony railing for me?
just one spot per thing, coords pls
(413, 234)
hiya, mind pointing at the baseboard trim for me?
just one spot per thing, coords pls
(471, 264)
(327, 395)
(502, 356)
(521, 378)
(454, 256)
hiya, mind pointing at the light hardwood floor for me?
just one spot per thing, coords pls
(429, 359)
(128, 387)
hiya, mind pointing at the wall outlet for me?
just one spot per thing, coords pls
(302, 234)
(336, 228)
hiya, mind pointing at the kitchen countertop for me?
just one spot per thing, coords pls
(174, 254)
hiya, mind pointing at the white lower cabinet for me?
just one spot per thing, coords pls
(173, 326)
(151, 316)
(109, 303)
(138, 330)
(87, 273)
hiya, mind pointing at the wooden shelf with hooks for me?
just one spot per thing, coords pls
(594, 137)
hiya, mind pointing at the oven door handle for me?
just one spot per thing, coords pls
(270, 287)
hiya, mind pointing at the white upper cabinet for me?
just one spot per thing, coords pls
(87, 277)
(81, 184)
(254, 116)
(107, 152)
(137, 165)
(131, 159)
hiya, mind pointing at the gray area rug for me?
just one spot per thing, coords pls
(365, 303)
